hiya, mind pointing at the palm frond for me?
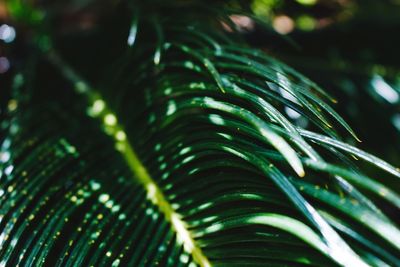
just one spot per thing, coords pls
(184, 156)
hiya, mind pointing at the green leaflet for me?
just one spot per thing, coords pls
(353, 150)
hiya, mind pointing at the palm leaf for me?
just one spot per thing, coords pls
(183, 156)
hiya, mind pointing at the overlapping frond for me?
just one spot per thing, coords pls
(185, 156)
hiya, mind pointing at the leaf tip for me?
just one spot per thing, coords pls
(298, 168)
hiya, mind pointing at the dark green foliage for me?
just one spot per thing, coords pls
(205, 115)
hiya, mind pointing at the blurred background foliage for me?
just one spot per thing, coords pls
(350, 47)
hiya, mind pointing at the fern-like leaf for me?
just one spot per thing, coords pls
(183, 156)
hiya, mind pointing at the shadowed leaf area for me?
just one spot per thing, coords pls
(152, 133)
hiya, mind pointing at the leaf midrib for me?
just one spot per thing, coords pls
(113, 128)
